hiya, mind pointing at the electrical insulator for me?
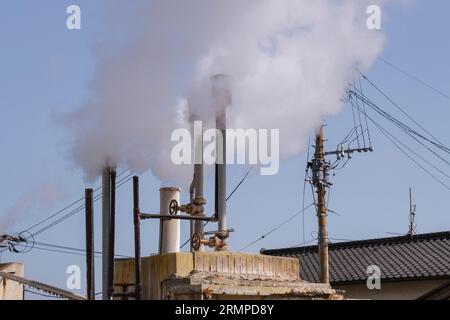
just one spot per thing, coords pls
(317, 170)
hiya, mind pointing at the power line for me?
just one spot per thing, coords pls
(364, 107)
(58, 251)
(396, 143)
(80, 208)
(409, 75)
(70, 214)
(408, 130)
(67, 250)
(76, 249)
(303, 243)
(228, 198)
(239, 184)
(66, 208)
(304, 191)
(276, 228)
(398, 107)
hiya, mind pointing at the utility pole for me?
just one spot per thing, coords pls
(320, 181)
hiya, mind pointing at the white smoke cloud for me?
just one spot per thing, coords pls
(289, 62)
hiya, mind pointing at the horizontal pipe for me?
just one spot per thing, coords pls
(146, 216)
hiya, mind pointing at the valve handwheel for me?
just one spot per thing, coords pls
(196, 241)
(173, 207)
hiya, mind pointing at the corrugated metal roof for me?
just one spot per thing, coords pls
(423, 256)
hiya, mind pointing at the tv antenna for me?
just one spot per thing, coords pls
(412, 215)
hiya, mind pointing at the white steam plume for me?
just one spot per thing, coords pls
(42, 197)
(289, 62)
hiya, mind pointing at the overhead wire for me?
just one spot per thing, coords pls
(304, 190)
(365, 112)
(397, 144)
(80, 208)
(408, 130)
(399, 107)
(276, 228)
(415, 78)
(228, 198)
(67, 207)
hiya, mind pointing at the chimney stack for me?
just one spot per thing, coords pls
(169, 241)
(221, 98)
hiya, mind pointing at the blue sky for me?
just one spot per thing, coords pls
(45, 70)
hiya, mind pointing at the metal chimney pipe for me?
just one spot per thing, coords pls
(106, 224)
(221, 95)
(90, 263)
(137, 239)
(170, 229)
(112, 230)
(192, 223)
(199, 199)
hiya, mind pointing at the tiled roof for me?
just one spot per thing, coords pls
(425, 256)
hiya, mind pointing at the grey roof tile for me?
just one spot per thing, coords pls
(417, 257)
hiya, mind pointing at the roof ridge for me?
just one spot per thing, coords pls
(423, 256)
(368, 242)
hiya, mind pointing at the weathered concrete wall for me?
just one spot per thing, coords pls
(247, 264)
(154, 270)
(217, 275)
(11, 290)
(401, 290)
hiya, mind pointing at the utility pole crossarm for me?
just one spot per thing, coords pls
(343, 152)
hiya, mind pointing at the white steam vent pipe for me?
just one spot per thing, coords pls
(169, 234)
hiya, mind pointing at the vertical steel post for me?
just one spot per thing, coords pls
(106, 225)
(199, 199)
(90, 263)
(112, 233)
(221, 95)
(192, 223)
(137, 238)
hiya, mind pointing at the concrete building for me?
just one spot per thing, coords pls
(416, 267)
(220, 276)
(11, 290)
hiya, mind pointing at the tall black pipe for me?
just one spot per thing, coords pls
(221, 95)
(90, 263)
(137, 239)
(112, 234)
(106, 230)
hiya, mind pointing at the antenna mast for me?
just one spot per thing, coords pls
(412, 215)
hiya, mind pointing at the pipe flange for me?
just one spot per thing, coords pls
(199, 201)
